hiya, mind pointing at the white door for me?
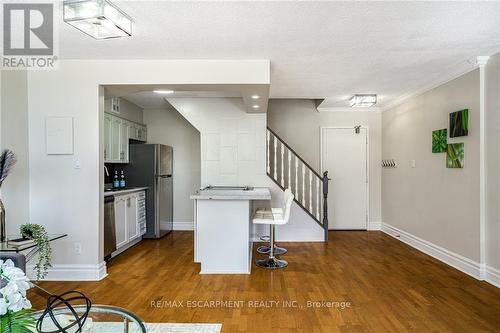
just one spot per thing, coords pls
(345, 157)
(121, 221)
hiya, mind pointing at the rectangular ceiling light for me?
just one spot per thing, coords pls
(97, 18)
(363, 101)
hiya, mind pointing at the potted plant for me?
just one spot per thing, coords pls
(15, 308)
(39, 235)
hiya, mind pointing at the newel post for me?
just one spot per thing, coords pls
(325, 203)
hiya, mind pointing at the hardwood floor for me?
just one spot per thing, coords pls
(389, 287)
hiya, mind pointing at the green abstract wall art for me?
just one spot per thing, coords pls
(459, 123)
(440, 141)
(455, 155)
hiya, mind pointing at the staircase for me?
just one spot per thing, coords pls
(288, 170)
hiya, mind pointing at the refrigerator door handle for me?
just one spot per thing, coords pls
(164, 176)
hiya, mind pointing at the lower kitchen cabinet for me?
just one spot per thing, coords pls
(130, 218)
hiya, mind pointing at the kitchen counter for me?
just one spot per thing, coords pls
(124, 191)
(255, 193)
(223, 225)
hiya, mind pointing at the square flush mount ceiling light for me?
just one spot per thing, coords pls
(363, 101)
(97, 18)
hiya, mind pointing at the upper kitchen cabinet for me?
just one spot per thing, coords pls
(117, 133)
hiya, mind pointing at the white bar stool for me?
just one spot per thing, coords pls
(273, 219)
(264, 249)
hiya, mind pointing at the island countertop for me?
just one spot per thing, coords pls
(229, 193)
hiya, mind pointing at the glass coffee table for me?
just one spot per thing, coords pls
(101, 319)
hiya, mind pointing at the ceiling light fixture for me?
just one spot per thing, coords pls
(255, 96)
(255, 106)
(99, 19)
(363, 101)
(163, 92)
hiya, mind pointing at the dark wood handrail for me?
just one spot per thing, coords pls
(293, 151)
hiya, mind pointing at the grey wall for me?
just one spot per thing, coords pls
(14, 135)
(432, 202)
(171, 128)
(298, 122)
(492, 72)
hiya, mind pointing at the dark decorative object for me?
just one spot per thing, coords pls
(7, 161)
(65, 299)
(459, 123)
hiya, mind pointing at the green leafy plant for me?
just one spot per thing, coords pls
(439, 140)
(38, 233)
(455, 155)
(18, 322)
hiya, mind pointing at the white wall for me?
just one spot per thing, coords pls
(169, 127)
(233, 152)
(298, 123)
(492, 72)
(430, 201)
(14, 136)
(70, 200)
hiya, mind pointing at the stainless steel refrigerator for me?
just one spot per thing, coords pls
(151, 166)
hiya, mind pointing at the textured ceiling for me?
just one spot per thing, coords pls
(317, 49)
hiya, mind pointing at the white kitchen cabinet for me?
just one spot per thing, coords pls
(117, 133)
(107, 137)
(130, 218)
(124, 126)
(120, 221)
(115, 139)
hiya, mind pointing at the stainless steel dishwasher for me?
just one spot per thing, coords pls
(109, 227)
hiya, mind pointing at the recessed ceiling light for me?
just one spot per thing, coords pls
(255, 96)
(255, 106)
(99, 19)
(363, 100)
(163, 92)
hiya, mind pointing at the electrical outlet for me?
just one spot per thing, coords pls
(78, 248)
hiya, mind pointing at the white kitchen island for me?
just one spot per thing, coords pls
(223, 228)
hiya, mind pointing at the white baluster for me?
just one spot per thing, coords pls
(296, 178)
(310, 192)
(289, 169)
(303, 185)
(317, 198)
(282, 164)
(275, 164)
(268, 138)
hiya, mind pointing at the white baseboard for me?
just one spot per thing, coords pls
(374, 226)
(180, 226)
(72, 272)
(493, 276)
(455, 260)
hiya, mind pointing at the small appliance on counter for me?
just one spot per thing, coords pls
(150, 165)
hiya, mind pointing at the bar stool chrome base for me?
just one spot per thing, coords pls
(265, 249)
(271, 263)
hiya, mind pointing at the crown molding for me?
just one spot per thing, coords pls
(482, 60)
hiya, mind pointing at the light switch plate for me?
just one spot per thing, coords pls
(413, 163)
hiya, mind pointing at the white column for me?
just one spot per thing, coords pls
(296, 178)
(289, 169)
(282, 164)
(275, 163)
(268, 137)
(303, 185)
(482, 61)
